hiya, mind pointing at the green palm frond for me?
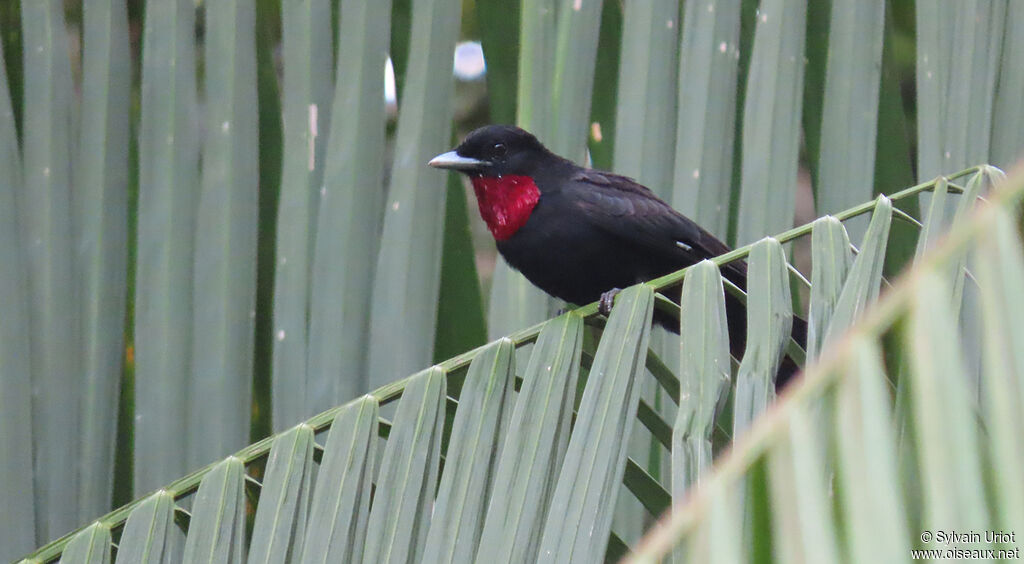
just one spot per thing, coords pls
(876, 514)
(149, 243)
(519, 467)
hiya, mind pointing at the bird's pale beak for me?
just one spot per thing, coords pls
(454, 161)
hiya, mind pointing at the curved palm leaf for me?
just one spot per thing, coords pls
(548, 515)
(849, 385)
(472, 469)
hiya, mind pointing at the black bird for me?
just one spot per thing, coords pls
(581, 234)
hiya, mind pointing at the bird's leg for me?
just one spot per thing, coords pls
(604, 306)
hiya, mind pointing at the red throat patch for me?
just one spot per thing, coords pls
(505, 202)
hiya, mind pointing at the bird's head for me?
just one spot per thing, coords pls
(501, 162)
(494, 151)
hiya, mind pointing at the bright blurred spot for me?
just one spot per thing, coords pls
(468, 65)
(389, 83)
(469, 61)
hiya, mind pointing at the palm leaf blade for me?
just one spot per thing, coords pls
(830, 258)
(216, 531)
(101, 201)
(225, 256)
(336, 529)
(307, 50)
(771, 121)
(769, 317)
(864, 279)
(17, 525)
(400, 515)
(91, 546)
(532, 456)
(801, 506)
(46, 220)
(150, 536)
(168, 182)
(284, 498)
(846, 164)
(1007, 113)
(872, 503)
(481, 421)
(407, 280)
(1001, 273)
(945, 428)
(708, 65)
(596, 455)
(575, 55)
(349, 209)
(704, 374)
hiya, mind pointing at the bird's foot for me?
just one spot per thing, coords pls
(604, 306)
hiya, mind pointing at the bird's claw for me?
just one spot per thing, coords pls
(604, 306)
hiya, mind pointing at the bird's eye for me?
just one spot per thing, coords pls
(499, 150)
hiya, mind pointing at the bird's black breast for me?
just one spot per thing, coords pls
(565, 254)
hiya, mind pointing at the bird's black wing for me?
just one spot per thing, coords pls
(629, 211)
(621, 207)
